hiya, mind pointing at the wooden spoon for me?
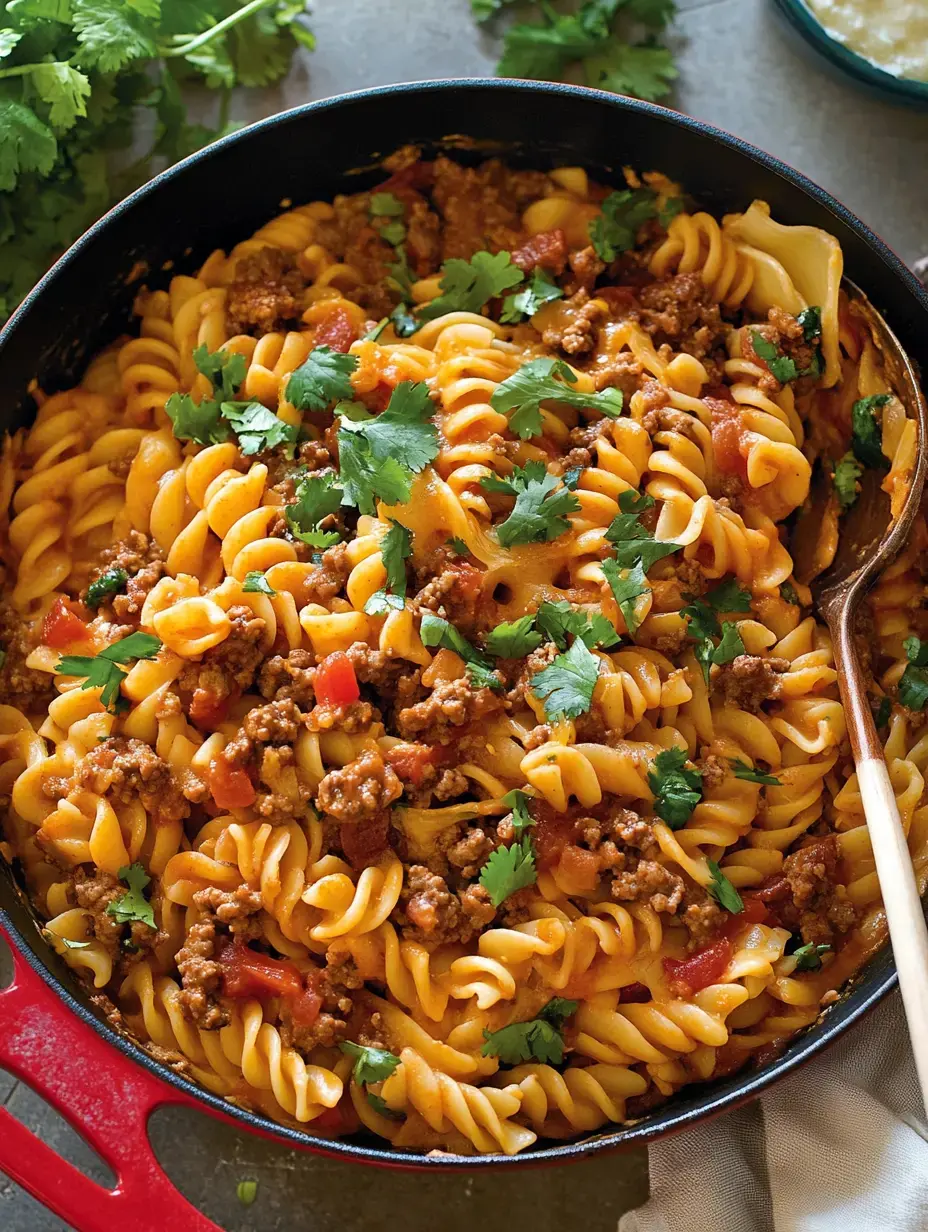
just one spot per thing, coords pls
(869, 542)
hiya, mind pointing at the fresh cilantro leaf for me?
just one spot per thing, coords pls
(202, 423)
(325, 377)
(386, 205)
(556, 620)
(781, 366)
(623, 213)
(540, 512)
(401, 276)
(395, 547)
(677, 789)
(133, 905)
(704, 625)
(436, 631)
(729, 597)
(111, 34)
(392, 233)
(246, 1192)
(520, 396)
(913, 685)
(514, 639)
(371, 1064)
(525, 303)
(509, 869)
(521, 818)
(26, 144)
(225, 370)
(811, 321)
(632, 542)
(882, 710)
(788, 593)
(256, 427)
(105, 586)
(867, 437)
(459, 546)
(730, 645)
(468, 285)
(100, 670)
(540, 1039)
(404, 323)
(65, 89)
(571, 478)
(645, 70)
(847, 473)
(382, 603)
(566, 686)
(257, 584)
(8, 40)
(317, 498)
(627, 590)
(543, 52)
(669, 210)
(377, 454)
(743, 771)
(380, 1106)
(723, 891)
(809, 957)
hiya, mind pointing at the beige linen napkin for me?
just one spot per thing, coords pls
(841, 1146)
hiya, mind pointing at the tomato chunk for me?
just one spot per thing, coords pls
(410, 761)
(547, 249)
(336, 330)
(230, 786)
(208, 709)
(335, 683)
(304, 1010)
(246, 973)
(363, 842)
(469, 580)
(702, 968)
(578, 868)
(728, 435)
(62, 625)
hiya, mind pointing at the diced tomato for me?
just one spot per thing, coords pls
(417, 175)
(547, 249)
(469, 580)
(337, 1120)
(702, 968)
(208, 709)
(755, 910)
(773, 890)
(634, 994)
(727, 437)
(246, 973)
(62, 625)
(336, 330)
(335, 683)
(551, 833)
(230, 786)
(304, 1009)
(579, 868)
(364, 841)
(411, 760)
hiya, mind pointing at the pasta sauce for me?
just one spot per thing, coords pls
(411, 722)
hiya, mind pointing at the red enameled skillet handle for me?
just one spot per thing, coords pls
(105, 1096)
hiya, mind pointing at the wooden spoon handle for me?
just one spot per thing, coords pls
(904, 913)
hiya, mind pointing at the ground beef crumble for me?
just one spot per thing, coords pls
(360, 790)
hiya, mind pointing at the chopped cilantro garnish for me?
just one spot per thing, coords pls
(913, 685)
(436, 631)
(468, 285)
(520, 396)
(623, 212)
(556, 620)
(509, 869)
(809, 957)
(100, 670)
(105, 586)
(393, 232)
(730, 644)
(525, 303)
(847, 473)
(385, 204)
(381, 1107)
(256, 427)
(371, 1064)
(540, 1039)
(677, 789)
(704, 625)
(317, 498)
(729, 597)
(373, 334)
(632, 541)
(788, 593)
(257, 584)
(400, 274)
(459, 546)
(867, 438)
(395, 547)
(627, 588)
(566, 686)
(225, 370)
(540, 511)
(811, 321)
(201, 422)
(378, 453)
(670, 209)
(514, 639)
(324, 378)
(133, 905)
(743, 771)
(780, 366)
(723, 891)
(522, 819)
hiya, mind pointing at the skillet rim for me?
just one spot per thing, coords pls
(701, 1103)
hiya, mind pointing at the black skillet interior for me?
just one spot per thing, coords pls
(219, 196)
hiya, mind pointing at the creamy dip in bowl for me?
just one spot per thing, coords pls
(891, 34)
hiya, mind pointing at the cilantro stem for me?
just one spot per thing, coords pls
(20, 70)
(221, 27)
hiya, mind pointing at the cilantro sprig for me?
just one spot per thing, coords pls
(101, 671)
(846, 475)
(509, 869)
(866, 435)
(523, 304)
(522, 819)
(378, 454)
(809, 957)
(133, 906)
(541, 508)
(547, 380)
(540, 1039)
(371, 1064)
(317, 497)
(704, 626)
(627, 587)
(566, 685)
(436, 631)
(555, 621)
(723, 891)
(913, 684)
(324, 378)
(623, 212)
(742, 770)
(395, 548)
(467, 286)
(677, 788)
(514, 639)
(105, 586)
(632, 542)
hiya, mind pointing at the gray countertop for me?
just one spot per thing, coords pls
(740, 70)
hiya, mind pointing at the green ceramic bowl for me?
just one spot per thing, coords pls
(895, 89)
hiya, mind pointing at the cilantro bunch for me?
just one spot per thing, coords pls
(612, 43)
(72, 75)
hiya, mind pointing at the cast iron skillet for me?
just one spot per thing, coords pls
(214, 199)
